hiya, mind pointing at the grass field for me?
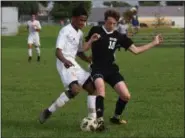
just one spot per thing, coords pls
(155, 80)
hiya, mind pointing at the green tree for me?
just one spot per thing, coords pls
(107, 3)
(149, 3)
(116, 4)
(44, 3)
(62, 9)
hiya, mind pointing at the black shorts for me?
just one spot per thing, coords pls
(109, 74)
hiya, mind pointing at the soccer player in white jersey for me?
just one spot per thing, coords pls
(122, 27)
(34, 28)
(69, 44)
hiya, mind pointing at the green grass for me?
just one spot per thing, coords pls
(155, 80)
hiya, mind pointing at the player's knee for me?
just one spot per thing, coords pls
(72, 93)
(75, 89)
(90, 88)
(100, 87)
(127, 97)
(29, 46)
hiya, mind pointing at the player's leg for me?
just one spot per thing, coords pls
(74, 89)
(116, 81)
(69, 79)
(38, 52)
(29, 52)
(91, 98)
(100, 94)
(124, 97)
(86, 82)
(37, 47)
(30, 43)
(137, 28)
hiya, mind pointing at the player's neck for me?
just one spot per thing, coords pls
(74, 27)
(106, 30)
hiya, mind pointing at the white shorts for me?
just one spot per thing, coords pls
(34, 40)
(74, 73)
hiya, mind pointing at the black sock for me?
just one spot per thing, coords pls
(99, 106)
(120, 106)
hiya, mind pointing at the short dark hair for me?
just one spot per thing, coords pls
(112, 13)
(78, 11)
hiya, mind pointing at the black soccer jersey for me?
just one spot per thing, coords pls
(103, 49)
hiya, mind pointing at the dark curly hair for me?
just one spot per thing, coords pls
(78, 11)
(112, 13)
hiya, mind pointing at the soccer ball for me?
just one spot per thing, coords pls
(88, 124)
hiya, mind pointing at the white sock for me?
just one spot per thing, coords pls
(29, 52)
(38, 51)
(91, 104)
(61, 100)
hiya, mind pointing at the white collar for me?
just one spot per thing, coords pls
(106, 30)
(74, 30)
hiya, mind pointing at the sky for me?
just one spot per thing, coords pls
(98, 3)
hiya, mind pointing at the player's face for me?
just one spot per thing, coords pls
(33, 17)
(110, 24)
(80, 21)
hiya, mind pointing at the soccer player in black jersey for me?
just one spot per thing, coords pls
(104, 67)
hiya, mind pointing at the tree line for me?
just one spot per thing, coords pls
(62, 9)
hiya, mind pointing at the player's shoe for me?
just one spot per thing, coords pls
(118, 121)
(38, 58)
(44, 116)
(29, 59)
(101, 125)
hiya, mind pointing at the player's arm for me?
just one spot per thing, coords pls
(87, 45)
(84, 57)
(81, 53)
(140, 49)
(61, 57)
(59, 46)
(38, 28)
(91, 37)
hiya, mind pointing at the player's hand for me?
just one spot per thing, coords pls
(68, 63)
(35, 27)
(95, 37)
(158, 39)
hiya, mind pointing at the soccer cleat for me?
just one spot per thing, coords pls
(44, 116)
(101, 125)
(115, 120)
(38, 58)
(29, 59)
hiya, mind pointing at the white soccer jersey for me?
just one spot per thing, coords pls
(33, 36)
(122, 28)
(32, 25)
(70, 41)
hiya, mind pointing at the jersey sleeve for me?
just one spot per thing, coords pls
(80, 46)
(61, 39)
(39, 26)
(91, 32)
(125, 42)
